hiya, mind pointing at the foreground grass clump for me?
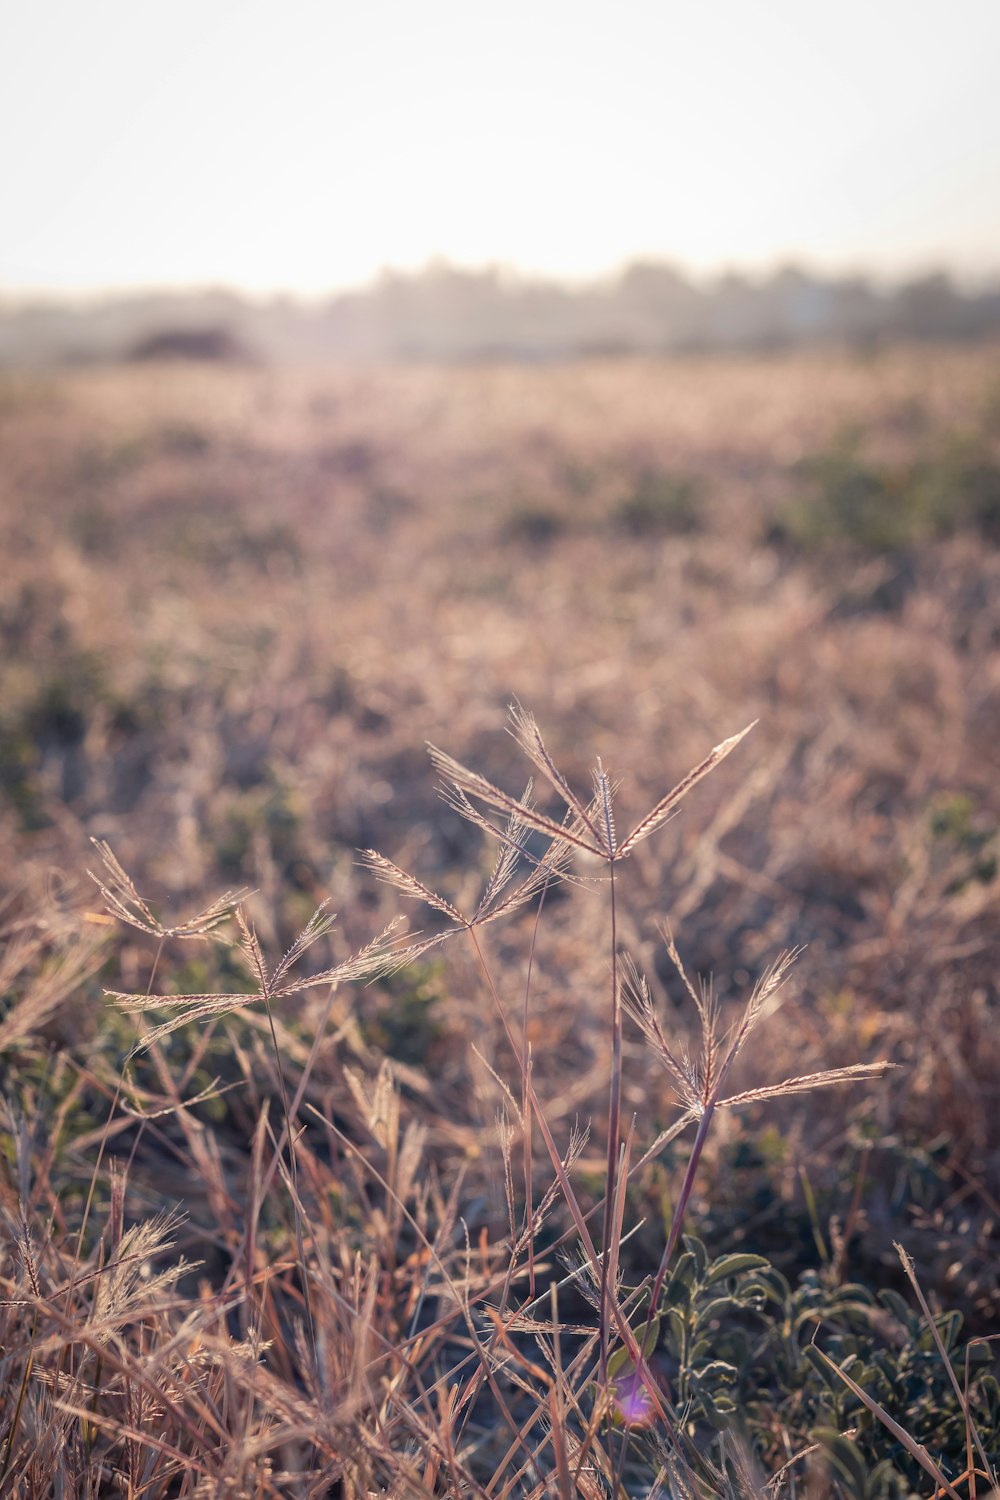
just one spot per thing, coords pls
(381, 1303)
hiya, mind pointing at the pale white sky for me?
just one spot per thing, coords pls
(304, 144)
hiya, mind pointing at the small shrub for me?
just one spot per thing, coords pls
(661, 504)
(850, 500)
(210, 343)
(960, 490)
(970, 840)
(534, 524)
(882, 508)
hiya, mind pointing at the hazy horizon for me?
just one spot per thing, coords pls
(964, 276)
(969, 280)
(305, 149)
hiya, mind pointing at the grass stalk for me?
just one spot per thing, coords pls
(614, 1121)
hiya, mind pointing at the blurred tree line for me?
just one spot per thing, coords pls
(445, 313)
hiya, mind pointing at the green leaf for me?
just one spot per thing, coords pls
(717, 1372)
(620, 1359)
(822, 1369)
(899, 1309)
(771, 1284)
(852, 1291)
(949, 1326)
(693, 1244)
(718, 1307)
(732, 1265)
(681, 1278)
(881, 1474)
(845, 1459)
(677, 1328)
(718, 1410)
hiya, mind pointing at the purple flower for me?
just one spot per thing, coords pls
(632, 1402)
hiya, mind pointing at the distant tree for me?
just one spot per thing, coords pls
(932, 308)
(208, 343)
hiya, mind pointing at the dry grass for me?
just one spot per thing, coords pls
(307, 1245)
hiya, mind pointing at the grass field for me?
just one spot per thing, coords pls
(236, 606)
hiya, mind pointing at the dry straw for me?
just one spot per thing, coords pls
(374, 1374)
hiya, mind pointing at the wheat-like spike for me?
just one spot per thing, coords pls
(140, 1003)
(672, 1131)
(801, 1085)
(703, 995)
(505, 1141)
(500, 876)
(552, 865)
(50, 985)
(582, 1272)
(524, 728)
(370, 960)
(124, 902)
(456, 799)
(391, 874)
(545, 870)
(595, 815)
(708, 1012)
(117, 908)
(250, 945)
(213, 1090)
(475, 785)
(698, 996)
(512, 901)
(453, 797)
(375, 958)
(638, 1003)
(578, 1139)
(121, 1285)
(195, 1008)
(635, 988)
(766, 986)
(604, 793)
(318, 926)
(656, 815)
(27, 1251)
(503, 1122)
(126, 894)
(519, 1322)
(205, 921)
(378, 966)
(507, 857)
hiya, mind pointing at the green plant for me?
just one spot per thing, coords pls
(968, 838)
(534, 523)
(661, 504)
(851, 500)
(885, 508)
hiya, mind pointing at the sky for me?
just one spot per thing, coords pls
(304, 145)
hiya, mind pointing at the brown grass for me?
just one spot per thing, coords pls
(307, 1245)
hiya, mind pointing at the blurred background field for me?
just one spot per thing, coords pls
(237, 603)
(364, 371)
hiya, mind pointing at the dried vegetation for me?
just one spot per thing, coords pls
(533, 1194)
